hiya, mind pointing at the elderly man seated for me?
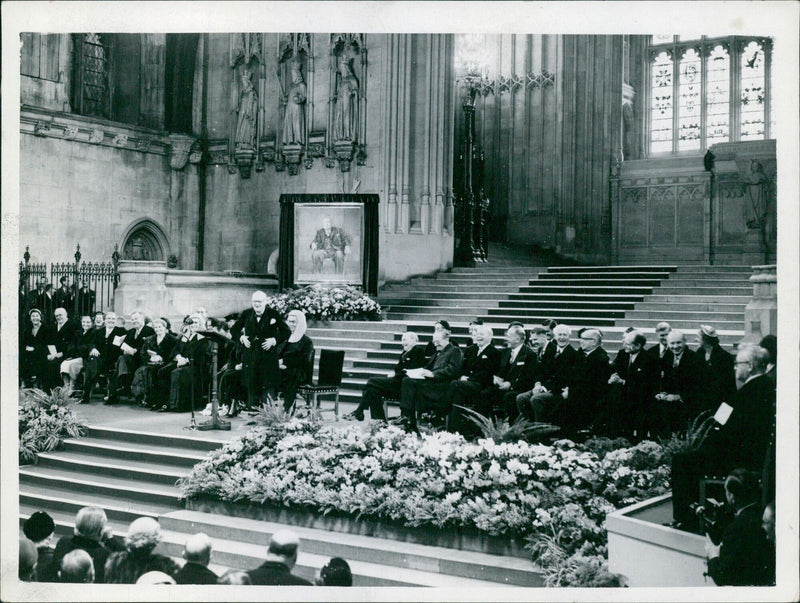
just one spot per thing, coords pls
(426, 388)
(677, 402)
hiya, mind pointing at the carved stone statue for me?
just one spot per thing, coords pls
(294, 122)
(345, 123)
(757, 191)
(247, 110)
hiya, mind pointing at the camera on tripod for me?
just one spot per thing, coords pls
(715, 517)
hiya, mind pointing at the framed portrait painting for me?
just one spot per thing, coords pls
(329, 239)
(328, 243)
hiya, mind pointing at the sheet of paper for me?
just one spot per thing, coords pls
(415, 373)
(51, 349)
(723, 413)
(118, 340)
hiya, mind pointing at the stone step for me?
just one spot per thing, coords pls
(77, 480)
(337, 343)
(488, 300)
(204, 442)
(575, 284)
(676, 288)
(566, 304)
(505, 317)
(616, 276)
(439, 303)
(692, 283)
(708, 306)
(439, 311)
(465, 279)
(578, 296)
(687, 326)
(586, 289)
(632, 268)
(89, 464)
(332, 333)
(359, 548)
(670, 315)
(694, 299)
(466, 287)
(113, 449)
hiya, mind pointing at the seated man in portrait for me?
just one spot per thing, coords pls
(428, 392)
(330, 243)
(481, 363)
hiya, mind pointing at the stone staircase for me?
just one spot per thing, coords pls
(610, 297)
(132, 474)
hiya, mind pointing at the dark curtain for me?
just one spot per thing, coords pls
(370, 264)
(179, 81)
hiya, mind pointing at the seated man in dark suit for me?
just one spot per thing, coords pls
(544, 401)
(634, 382)
(677, 402)
(197, 552)
(744, 556)
(742, 441)
(59, 344)
(519, 369)
(130, 359)
(150, 384)
(716, 368)
(429, 392)
(439, 325)
(481, 363)
(379, 388)
(587, 392)
(105, 354)
(281, 558)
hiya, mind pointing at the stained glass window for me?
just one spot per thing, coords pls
(701, 93)
(718, 92)
(753, 93)
(689, 101)
(662, 103)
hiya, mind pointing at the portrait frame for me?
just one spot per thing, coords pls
(315, 265)
(301, 218)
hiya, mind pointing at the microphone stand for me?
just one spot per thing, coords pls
(215, 422)
(192, 423)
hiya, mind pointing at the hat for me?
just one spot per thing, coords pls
(708, 331)
(38, 526)
(445, 325)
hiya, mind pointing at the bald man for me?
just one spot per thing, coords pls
(677, 402)
(197, 552)
(77, 567)
(281, 558)
(260, 329)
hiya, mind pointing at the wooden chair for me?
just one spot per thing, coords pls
(328, 382)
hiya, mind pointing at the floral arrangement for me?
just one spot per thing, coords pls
(555, 497)
(45, 420)
(322, 303)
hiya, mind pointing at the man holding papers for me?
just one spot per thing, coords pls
(60, 341)
(129, 360)
(426, 388)
(107, 352)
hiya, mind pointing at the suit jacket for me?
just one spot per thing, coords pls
(744, 557)
(661, 361)
(745, 437)
(195, 573)
(524, 371)
(255, 358)
(684, 380)
(641, 377)
(84, 343)
(98, 551)
(47, 304)
(414, 358)
(165, 349)
(64, 299)
(63, 339)
(275, 573)
(445, 364)
(108, 351)
(588, 387)
(718, 379)
(557, 370)
(481, 368)
(137, 341)
(86, 300)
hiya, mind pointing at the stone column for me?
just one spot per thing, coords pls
(761, 313)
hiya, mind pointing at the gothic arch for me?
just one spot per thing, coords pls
(145, 240)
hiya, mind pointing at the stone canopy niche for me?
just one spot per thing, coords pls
(145, 242)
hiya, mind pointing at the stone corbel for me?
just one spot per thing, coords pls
(179, 150)
(343, 150)
(244, 156)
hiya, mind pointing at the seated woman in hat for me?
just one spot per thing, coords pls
(296, 358)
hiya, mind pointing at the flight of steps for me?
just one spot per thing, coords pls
(610, 297)
(132, 474)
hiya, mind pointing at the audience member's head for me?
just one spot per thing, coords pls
(99, 319)
(441, 339)
(550, 325)
(770, 343)
(60, 316)
(590, 339)
(155, 577)
(676, 341)
(742, 488)
(167, 323)
(483, 335)
(662, 330)
(64, 281)
(235, 577)
(121, 321)
(409, 340)
(751, 361)
(442, 325)
(633, 341)
(562, 333)
(143, 535)
(259, 302)
(707, 337)
(198, 549)
(232, 318)
(89, 523)
(86, 322)
(28, 556)
(283, 547)
(768, 521)
(335, 573)
(160, 327)
(539, 338)
(76, 568)
(137, 318)
(35, 316)
(39, 527)
(515, 336)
